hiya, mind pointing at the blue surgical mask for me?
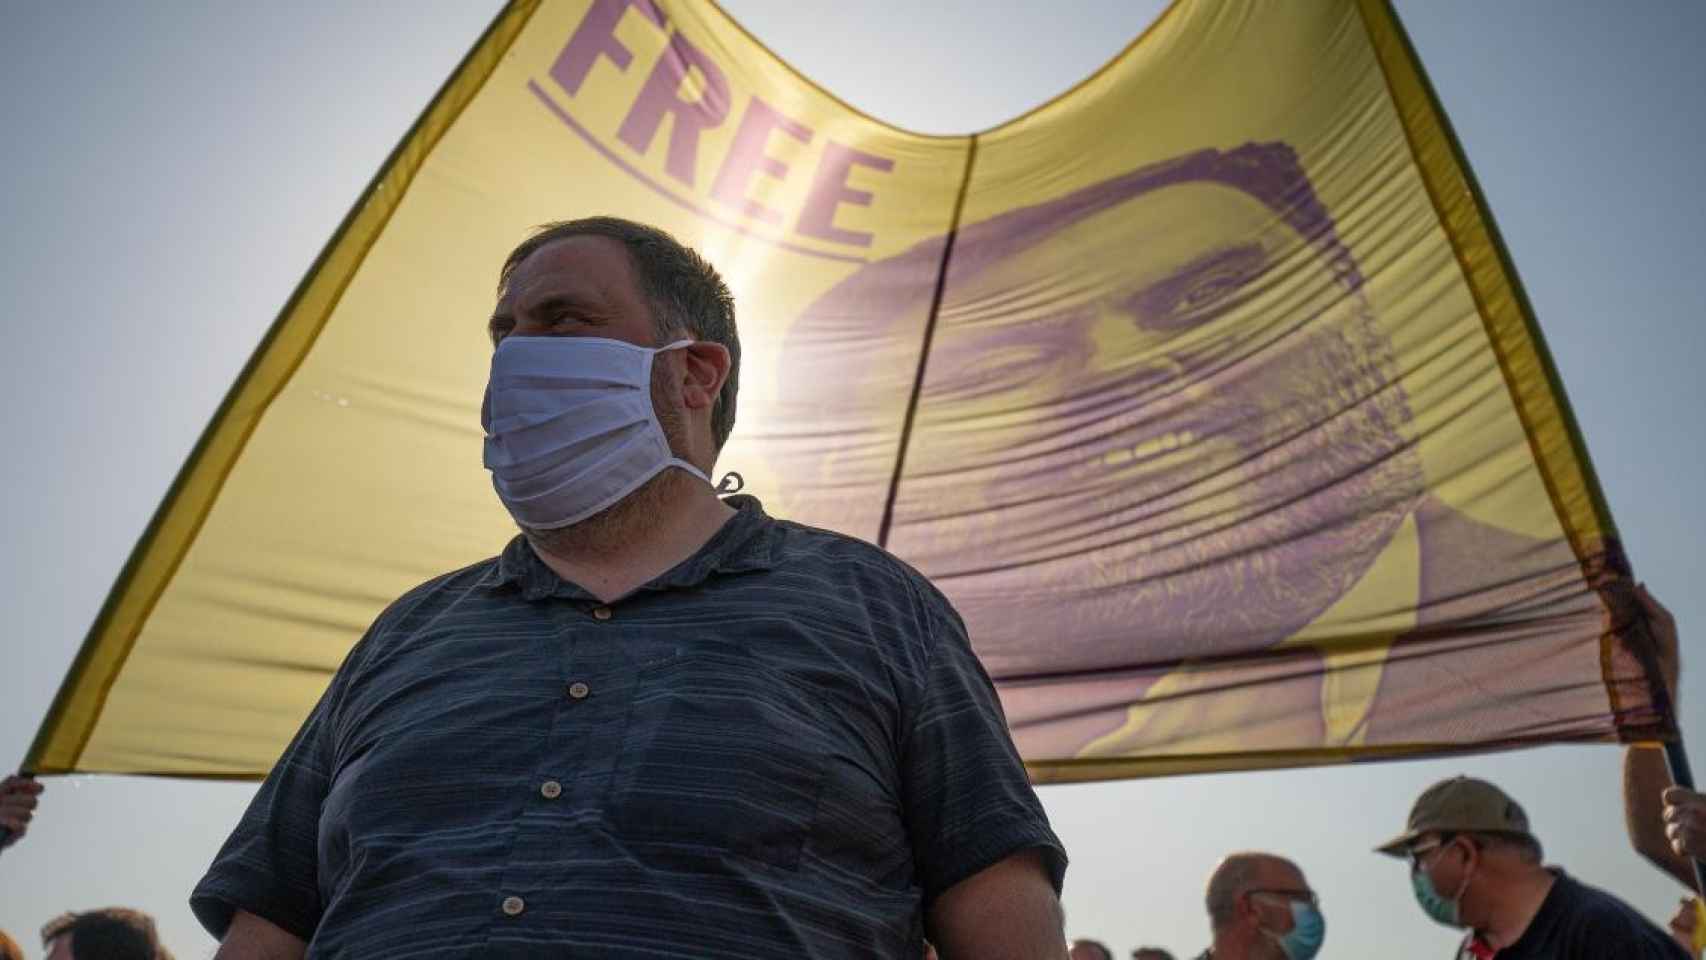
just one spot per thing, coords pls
(1308, 932)
(1440, 909)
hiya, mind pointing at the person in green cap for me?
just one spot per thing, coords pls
(1475, 865)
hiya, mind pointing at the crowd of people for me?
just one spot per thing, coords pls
(1474, 865)
(662, 723)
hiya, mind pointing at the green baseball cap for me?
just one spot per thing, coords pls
(1460, 805)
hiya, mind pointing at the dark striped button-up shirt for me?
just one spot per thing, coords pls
(783, 747)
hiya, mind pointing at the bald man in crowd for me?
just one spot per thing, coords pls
(1260, 907)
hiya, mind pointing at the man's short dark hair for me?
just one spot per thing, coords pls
(684, 291)
(1151, 953)
(113, 933)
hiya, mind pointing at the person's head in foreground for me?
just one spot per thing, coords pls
(1476, 865)
(113, 933)
(1086, 949)
(1150, 953)
(616, 360)
(1260, 907)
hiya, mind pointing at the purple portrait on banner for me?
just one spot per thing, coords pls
(1158, 427)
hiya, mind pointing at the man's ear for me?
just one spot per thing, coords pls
(705, 369)
(1472, 853)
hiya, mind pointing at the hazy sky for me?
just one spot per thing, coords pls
(169, 170)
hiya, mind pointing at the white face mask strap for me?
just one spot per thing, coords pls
(653, 352)
(732, 482)
(690, 468)
(1463, 888)
(677, 461)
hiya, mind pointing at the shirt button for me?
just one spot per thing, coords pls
(551, 789)
(601, 613)
(514, 905)
(579, 690)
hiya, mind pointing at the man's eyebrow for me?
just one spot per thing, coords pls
(587, 308)
(565, 301)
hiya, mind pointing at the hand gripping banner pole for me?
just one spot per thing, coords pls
(1676, 758)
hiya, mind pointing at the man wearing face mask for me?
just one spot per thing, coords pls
(659, 723)
(1261, 908)
(1475, 866)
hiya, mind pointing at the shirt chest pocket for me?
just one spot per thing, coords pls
(722, 755)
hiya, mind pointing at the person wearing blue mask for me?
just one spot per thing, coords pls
(659, 723)
(1475, 865)
(1260, 907)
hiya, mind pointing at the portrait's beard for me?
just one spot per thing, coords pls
(640, 512)
(1202, 521)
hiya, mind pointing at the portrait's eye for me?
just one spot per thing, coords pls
(1210, 289)
(1199, 291)
(997, 369)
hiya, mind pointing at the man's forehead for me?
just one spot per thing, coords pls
(1289, 875)
(1128, 247)
(1173, 224)
(1278, 873)
(583, 267)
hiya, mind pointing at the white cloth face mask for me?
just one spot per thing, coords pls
(570, 428)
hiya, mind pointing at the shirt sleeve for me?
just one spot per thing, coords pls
(268, 866)
(968, 801)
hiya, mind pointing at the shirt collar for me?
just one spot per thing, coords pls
(750, 540)
(1538, 924)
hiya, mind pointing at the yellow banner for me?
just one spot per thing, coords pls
(1205, 391)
